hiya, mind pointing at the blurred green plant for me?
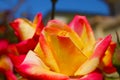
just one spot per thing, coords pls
(116, 57)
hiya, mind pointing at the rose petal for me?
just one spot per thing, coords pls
(38, 24)
(12, 49)
(33, 68)
(101, 47)
(26, 45)
(57, 38)
(48, 54)
(17, 60)
(92, 63)
(81, 26)
(87, 67)
(58, 28)
(10, 75)
(107, 59)
(23, 28)
(95, 75)
(3, 46)
(6, 67)
(64, 30)
(5, 63)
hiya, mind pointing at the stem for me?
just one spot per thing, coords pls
(118, 41)
(53, 8)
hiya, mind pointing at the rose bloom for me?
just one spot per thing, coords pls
(61, 52)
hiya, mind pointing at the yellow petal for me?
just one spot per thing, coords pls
(87, 67)
(46, 54)
(32, 58)
(82, 27)
(38, 24)
(35, 68)
(26, 29)
(38, 51)
(107, 59)
(66, 53)
(92, 63)
(58, 28)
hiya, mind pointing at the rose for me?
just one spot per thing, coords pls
(65, 52)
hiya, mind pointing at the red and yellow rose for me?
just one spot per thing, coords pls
(61, 52)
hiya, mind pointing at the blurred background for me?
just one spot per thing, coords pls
(103, 15)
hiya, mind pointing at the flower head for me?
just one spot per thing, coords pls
(61, 51)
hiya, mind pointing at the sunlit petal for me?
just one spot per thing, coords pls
(49, 58)
(95, 75)
(65, 56)
(38, 24)
(23, 28)
(33, 68)
(92, 63)
(81, 26)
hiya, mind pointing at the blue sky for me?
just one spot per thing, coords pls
(44, 6)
